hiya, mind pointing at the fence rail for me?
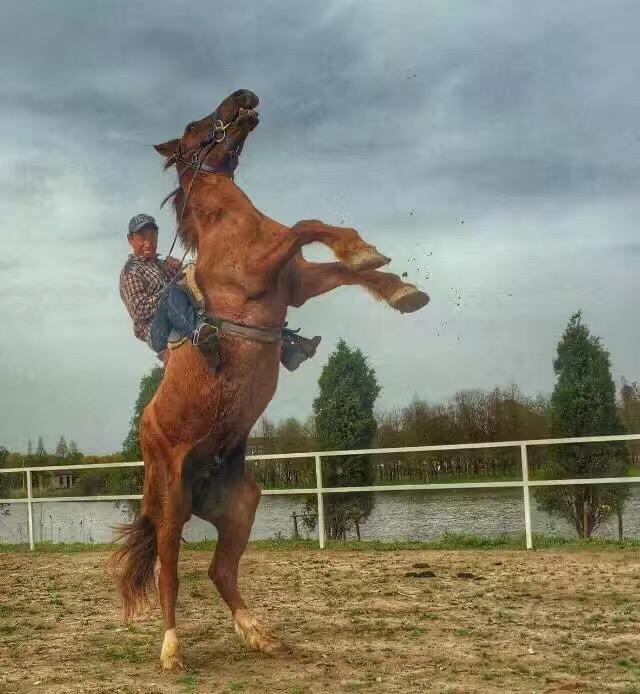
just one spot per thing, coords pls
(319, 490)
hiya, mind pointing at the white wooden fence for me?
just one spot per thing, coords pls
(525, 483)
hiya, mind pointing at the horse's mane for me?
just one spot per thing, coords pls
(185, 220)
(186, 232)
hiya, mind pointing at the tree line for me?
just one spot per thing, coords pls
(584, 402)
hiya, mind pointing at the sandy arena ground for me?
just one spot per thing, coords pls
(546, 621)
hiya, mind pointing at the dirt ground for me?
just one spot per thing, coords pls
(546, 621)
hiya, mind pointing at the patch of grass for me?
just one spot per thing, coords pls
(8, 629)
(59, 547)
(4, 610)
(628, 663)
(240, 686)
(192, 575)
(462, 632)
(189, 683)
(448, 541)
(129, 653)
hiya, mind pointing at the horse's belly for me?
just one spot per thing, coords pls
(197, 404)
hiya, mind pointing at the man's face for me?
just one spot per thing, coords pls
(144, 243)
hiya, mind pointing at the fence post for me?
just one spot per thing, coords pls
(525, 490)
(320, 501)
(30, 509)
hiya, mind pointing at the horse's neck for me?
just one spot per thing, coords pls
(221, 193)
(231, 231)
(225, 222)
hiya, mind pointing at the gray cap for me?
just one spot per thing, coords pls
(140, 221)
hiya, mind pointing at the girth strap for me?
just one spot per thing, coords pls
(226, 326)
(245, 332)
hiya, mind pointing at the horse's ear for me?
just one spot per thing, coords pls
(168, 149)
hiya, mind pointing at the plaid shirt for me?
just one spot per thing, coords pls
(141, 282)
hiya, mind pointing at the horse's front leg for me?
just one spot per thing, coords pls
(314, 279)
(345, 242)
(269, 258)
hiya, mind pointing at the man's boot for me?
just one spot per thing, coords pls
(297, 349)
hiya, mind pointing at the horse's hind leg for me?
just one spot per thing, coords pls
(234, 524)
(168, 506)
(169, 531)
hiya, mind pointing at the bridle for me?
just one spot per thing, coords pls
(197, 161)
(217, 135)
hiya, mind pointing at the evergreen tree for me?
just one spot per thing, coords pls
(129, 480)
(344, 419)
(146, 390)
(583, 403)
(62, 450)
(40, 449)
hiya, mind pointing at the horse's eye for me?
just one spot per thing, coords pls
(190, 127)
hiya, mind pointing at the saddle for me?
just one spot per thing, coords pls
(295, 350)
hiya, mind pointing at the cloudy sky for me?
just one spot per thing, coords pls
(491, 149)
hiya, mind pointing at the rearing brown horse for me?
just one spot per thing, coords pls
(193, 433)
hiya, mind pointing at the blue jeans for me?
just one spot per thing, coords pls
(175, 311)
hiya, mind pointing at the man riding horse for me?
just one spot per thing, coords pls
(193, 434)
(165, 314)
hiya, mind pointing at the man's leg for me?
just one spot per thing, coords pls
(160, 326)
(183, 316)
(181, 310)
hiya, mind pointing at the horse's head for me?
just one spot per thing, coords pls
(214, 143)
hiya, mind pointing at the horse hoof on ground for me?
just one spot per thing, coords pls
(256, 636)
(408, 299)
(368, 259)
(171, 655)
(172, 663)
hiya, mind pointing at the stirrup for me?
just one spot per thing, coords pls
(205, 335)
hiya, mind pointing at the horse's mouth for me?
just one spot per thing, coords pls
(248, 113)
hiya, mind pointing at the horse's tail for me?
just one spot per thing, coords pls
(136, 559)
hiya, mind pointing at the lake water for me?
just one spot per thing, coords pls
(396, 516)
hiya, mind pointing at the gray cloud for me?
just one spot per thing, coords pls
(402, 120)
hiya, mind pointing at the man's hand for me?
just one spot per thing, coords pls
(173, 265)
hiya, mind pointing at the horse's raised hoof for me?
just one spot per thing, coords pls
(255, 635)
(408, 299)
(367, 259)
(171, 655)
